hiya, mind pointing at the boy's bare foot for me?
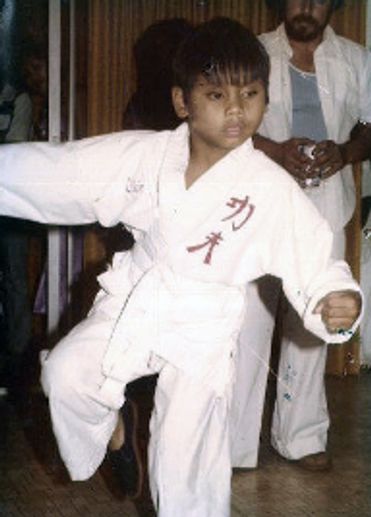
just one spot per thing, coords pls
(118, 436)
(124, 454)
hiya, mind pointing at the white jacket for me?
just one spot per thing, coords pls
(343, 71)
(180, 292)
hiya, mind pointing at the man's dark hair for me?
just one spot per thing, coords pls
(151, 107)
(155, 48)
(220, 50)
(279, 5)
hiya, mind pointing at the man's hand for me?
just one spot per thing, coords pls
(293, 159)
(339, 310)
(289, 154)
(328, 159)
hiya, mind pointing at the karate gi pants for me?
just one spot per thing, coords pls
(189, 451)
(300, 419)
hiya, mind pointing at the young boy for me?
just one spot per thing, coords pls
(209, 214)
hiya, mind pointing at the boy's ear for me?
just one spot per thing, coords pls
(179, 103)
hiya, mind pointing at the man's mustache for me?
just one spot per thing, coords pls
(305, 18)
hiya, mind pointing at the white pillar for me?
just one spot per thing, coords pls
(71, 131)
(54, 108)
(368, 24)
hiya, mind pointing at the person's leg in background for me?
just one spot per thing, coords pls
(301, 420)
(252, 368)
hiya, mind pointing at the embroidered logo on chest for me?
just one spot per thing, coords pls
(240, 212)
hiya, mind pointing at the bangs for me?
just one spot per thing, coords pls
(228, 73)
(221, 51)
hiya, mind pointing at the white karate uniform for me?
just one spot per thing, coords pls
(174, 304)
(300, 420)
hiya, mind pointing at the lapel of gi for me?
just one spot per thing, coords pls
(182, 211)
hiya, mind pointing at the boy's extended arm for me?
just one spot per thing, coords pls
(43, 182)
(64, 183)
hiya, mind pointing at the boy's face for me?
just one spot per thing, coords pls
(221, 117)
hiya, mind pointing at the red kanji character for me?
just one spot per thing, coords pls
(212, 240)
(240, 204)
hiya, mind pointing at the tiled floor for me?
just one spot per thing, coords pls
(33, 482)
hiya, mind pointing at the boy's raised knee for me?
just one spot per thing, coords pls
(57, 372)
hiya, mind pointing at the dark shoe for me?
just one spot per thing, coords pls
(318, 462)
(126, 461)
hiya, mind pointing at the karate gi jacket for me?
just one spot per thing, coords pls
(179, 293)
(343, 72)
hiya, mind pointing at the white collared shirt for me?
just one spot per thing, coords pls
(343, 70)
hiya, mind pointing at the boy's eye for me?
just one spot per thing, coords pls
(248, 94)
(215, 95)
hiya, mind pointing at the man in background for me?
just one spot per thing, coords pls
(318, 123)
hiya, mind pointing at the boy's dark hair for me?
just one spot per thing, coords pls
(220, 50)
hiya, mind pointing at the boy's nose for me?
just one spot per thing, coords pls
(234, 105)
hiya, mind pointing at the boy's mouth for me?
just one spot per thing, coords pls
(233, 130)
